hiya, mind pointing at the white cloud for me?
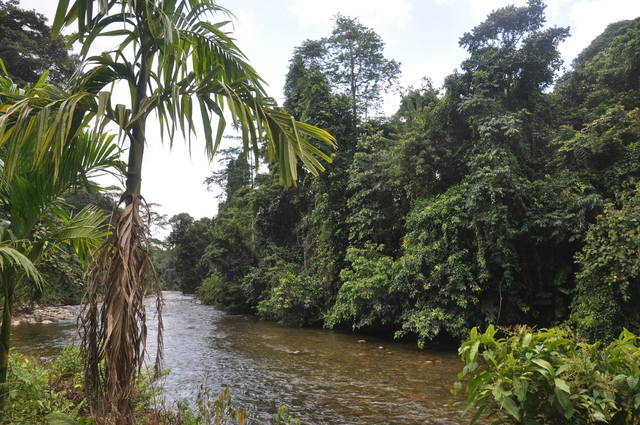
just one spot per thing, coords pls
(589, 18)
(479, 8)
(246, 28)
(382, 15)
(379, 12)
(435, 69)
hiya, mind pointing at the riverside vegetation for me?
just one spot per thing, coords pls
(507, 197)
(53, 394)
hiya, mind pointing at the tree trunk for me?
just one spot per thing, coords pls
(115, 334)
(134, 166)
(136, 144)
(354, 87)
(125, 375)
(5, 339)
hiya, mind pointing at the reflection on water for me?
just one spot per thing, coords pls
(43, 341)
(324, 377)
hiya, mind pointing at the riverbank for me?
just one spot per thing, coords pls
(51, 392)
(44, 314)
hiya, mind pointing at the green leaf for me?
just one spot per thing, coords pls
(474, 351)
(562, 385)
(543, 364)
(636, 401)
(563, 399)
(58, 20)
(511, 407)
(599, 416)
(57, 418)
(520, 389)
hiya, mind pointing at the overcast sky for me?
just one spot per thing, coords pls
(421, 34)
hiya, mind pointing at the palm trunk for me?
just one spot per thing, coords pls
(136, 148)
(5, 339)
(123, 306)
(134, 166)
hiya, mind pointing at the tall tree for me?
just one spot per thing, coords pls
(605, 74)
(356, 64)
(174, 62)
(27, 49)
(188, 240)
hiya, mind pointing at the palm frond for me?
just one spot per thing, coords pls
(41, 123)
(33, 190)
(10, 257)
(85, 232)
(198, 71)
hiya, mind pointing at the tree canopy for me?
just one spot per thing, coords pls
(28, 50)
(484, 201)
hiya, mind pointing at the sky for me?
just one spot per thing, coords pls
(420, 34)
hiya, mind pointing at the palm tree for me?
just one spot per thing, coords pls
(34, 217)
(179, 65)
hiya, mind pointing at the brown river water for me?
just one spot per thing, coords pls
(324, 377)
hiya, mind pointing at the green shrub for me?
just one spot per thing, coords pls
(364, 299)
(547, 377)
(208, 411)
(608, 284)
(222, 411)
(69, 361)
(38, 394)
(294, 298)
(216, 291)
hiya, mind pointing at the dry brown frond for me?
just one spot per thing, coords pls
(114, 333)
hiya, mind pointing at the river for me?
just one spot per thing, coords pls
(324, 377)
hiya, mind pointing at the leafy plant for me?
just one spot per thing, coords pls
(222, 411)
(32, 183)
(608, 284)
(365, 297)
(548, 377)
(42, 395)
(293, 298)
(217, 291)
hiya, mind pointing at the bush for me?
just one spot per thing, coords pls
(294, 298)
(364, 299)
(547, 377)
(226, 295)
(42, 395)
(69, 361)
(64, 281)
(219, 411)
(608, 284)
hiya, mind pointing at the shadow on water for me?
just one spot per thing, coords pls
(324, 377)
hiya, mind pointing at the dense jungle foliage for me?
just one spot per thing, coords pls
(507, 196)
